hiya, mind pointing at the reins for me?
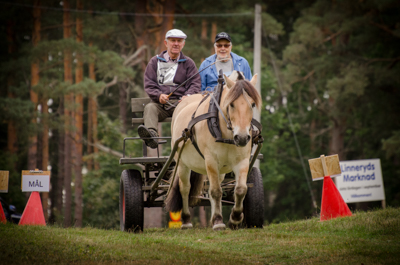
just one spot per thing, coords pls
(228, 121)
(176, 166)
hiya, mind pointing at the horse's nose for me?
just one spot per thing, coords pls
(241, 140)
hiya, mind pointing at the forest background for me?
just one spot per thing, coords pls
(330, 76)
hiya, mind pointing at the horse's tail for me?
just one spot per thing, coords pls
(196, 188)
(173, 203)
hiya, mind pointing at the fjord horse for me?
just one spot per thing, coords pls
(238, 100)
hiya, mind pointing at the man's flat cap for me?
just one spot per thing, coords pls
(175, 33)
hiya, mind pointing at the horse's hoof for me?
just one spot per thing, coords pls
(236, 218)
(219, 227)
(187, 226)
(234, 225)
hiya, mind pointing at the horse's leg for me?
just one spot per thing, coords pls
(184, 187)
(215, 192)
(236, 216)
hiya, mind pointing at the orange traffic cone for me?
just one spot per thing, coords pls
(2, 215)
(33, 213)
(332, 204)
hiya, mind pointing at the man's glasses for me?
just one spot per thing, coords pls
(227, 45)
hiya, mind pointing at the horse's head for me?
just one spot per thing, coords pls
(241, 98)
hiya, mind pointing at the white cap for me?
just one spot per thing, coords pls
(175, 33)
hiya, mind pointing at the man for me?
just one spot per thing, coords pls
(226, 60)
(163, 74)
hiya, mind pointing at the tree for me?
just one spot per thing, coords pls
(32, 155)
(11, 129)
(68, 99)
(78, 124)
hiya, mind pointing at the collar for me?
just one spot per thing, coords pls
(168, 58)
(161, 57)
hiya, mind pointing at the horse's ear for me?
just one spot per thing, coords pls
(240, 76)
(254, 80)
(229, 82)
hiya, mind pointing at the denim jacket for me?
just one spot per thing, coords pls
(209, 77)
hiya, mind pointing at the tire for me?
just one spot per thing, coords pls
(131, 212)
(254, 201)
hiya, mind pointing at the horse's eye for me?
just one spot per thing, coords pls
(253, 105)
(231, 105)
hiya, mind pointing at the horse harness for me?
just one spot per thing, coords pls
(213, 119)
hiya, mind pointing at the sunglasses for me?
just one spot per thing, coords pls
(227, 45)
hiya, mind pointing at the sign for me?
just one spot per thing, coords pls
(324, 166)
(361, 181)
(35, 180)
(4, 181)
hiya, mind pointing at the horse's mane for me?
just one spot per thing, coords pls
(237, 90)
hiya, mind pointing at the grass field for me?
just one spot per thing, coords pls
(365, 238)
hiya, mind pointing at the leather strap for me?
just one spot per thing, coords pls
(228, 122)
(200, 118)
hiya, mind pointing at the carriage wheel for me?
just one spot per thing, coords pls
(131, 201)
(254, 201)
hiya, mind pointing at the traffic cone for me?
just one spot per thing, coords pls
(33, 213)
(332, 204)
(2, 215)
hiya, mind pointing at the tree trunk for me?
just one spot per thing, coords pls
(140, 7)
(213, 34)
(336, 145)
(312, 135)
(167, 24)
(92, 123)
(11, 130)
(204, 38)
(123, 105)
(45, 151)
(78, 124)
(203, 29)
(68, 100)
(32, 152)
(58, 189)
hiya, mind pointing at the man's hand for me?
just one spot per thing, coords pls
(163, 98)
(183, 97)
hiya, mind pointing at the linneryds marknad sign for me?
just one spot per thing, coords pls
(361, 180)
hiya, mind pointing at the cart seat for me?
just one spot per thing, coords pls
(137, 106)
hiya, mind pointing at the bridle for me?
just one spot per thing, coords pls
(228, 120)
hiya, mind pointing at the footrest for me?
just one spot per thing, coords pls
(143, 160)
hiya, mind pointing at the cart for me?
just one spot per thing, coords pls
(148, 186)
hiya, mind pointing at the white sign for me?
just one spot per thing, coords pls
(361, 181)
(36, 183)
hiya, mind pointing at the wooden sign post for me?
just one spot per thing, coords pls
(4, 176)
(3, 189)
(332, 203)
(324, 166)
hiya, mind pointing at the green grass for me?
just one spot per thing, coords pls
(365, 238)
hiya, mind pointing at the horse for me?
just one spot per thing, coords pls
(238, 99)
